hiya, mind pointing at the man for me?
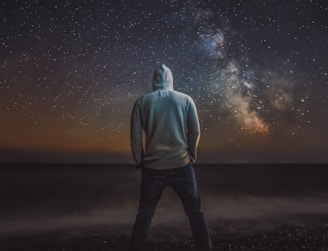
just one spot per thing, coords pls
(165, 155)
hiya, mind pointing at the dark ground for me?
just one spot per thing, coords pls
(286, 237)
(92, 207)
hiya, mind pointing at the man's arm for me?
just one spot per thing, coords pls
(193, 130)
(136, 134)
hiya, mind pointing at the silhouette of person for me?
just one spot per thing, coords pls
(169, 121)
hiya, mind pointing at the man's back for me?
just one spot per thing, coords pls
(170, 122)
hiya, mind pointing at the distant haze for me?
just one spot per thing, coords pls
(84, 198)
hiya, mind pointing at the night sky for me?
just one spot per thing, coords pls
(70, 72)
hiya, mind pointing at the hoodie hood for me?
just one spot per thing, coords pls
(163, 78)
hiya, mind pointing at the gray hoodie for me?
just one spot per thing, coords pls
(164, 125)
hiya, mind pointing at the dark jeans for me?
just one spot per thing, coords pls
(183, 182)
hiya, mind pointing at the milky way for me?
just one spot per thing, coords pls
(70, 72)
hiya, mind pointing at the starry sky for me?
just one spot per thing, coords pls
(70, 72)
